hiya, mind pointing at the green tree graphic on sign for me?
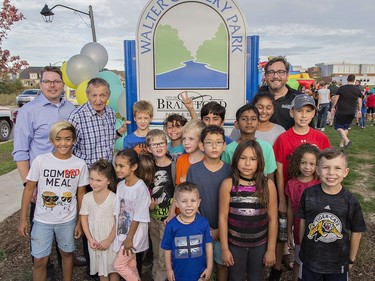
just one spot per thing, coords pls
(214, 52)
(169, 49)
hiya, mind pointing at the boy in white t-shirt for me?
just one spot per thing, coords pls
(58, 177)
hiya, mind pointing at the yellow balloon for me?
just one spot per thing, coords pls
(66, 78)
(81, 92)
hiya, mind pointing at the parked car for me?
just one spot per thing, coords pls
(6, 123)
(27, 96)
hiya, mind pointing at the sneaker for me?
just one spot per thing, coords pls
(275, 275)
(322, 129)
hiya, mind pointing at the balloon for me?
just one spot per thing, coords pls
(81, 92)
(293, 84)
(116, 91)
(119, 144)
(66, 80)
(80, 68)
(110, 77)
(121, 105)
(97, 53)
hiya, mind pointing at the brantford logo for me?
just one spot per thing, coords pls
(326, 228)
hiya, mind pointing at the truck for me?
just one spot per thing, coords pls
(6, 123)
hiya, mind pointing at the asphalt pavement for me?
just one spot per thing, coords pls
(11, 189)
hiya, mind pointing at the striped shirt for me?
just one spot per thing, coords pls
(247, 221)
(95, 133)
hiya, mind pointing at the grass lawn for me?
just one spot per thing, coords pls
(6, 159)
(361, 178)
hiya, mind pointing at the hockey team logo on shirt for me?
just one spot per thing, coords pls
(326, 228)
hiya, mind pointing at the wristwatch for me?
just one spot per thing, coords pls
(351, 261)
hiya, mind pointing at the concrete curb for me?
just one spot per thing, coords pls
(11, 193)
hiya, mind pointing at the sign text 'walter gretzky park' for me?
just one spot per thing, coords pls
(198, 47)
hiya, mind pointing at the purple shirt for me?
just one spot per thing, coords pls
(34, 121)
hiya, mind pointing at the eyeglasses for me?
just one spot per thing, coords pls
(57, 82)
(212, 143)
(155, 145)
(278, 72)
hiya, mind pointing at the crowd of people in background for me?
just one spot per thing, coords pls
(201, 204)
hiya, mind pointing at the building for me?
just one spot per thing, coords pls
(340, 71)
(30, 77)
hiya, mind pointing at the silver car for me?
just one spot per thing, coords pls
(27, 96)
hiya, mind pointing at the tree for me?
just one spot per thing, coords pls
(9, 63)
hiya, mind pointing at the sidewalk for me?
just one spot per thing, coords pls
(11, 192)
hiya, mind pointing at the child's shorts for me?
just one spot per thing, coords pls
(42, 237)
(308, 275)
(217, 252)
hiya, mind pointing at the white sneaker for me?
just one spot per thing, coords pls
(322, 129)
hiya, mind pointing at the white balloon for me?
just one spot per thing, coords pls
(121, 105)
(80, 68)
(97, 53)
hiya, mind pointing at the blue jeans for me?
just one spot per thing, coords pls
(362, 120)
(322, 115)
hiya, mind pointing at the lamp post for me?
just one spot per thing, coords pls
(48, 16)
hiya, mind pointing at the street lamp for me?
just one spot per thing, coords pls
(48, 16)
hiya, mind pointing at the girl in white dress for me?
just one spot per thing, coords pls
(98, 212)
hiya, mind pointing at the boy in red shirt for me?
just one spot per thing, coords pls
(302, 111)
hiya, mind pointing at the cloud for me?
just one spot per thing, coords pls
(306, 32)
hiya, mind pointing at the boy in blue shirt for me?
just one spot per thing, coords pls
(187, 240)
(142, 113)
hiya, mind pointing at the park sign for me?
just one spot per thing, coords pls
(198, 47)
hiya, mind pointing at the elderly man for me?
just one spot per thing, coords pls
(348, 100)
(96, 134)
(34, 120)
(95, 124)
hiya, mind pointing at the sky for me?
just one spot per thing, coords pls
(306, 32)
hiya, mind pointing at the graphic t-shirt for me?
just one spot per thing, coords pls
(162, 190)
(58, 180)
(175, 151)
(132, 203)
(187, 243)
(329, 221)
(135, 142)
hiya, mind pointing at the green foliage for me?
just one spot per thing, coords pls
(361, 155)
(3, 255)
(169, 49)
(214, 52)
(8, 86)
(6, 100)
(6, 164)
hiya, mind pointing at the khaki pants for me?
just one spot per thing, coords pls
(159, 272)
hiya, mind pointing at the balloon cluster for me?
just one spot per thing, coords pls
(78, 71)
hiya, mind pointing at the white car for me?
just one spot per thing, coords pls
(6, 123)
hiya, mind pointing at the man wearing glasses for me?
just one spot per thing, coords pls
(276, 76)
(34, 120)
